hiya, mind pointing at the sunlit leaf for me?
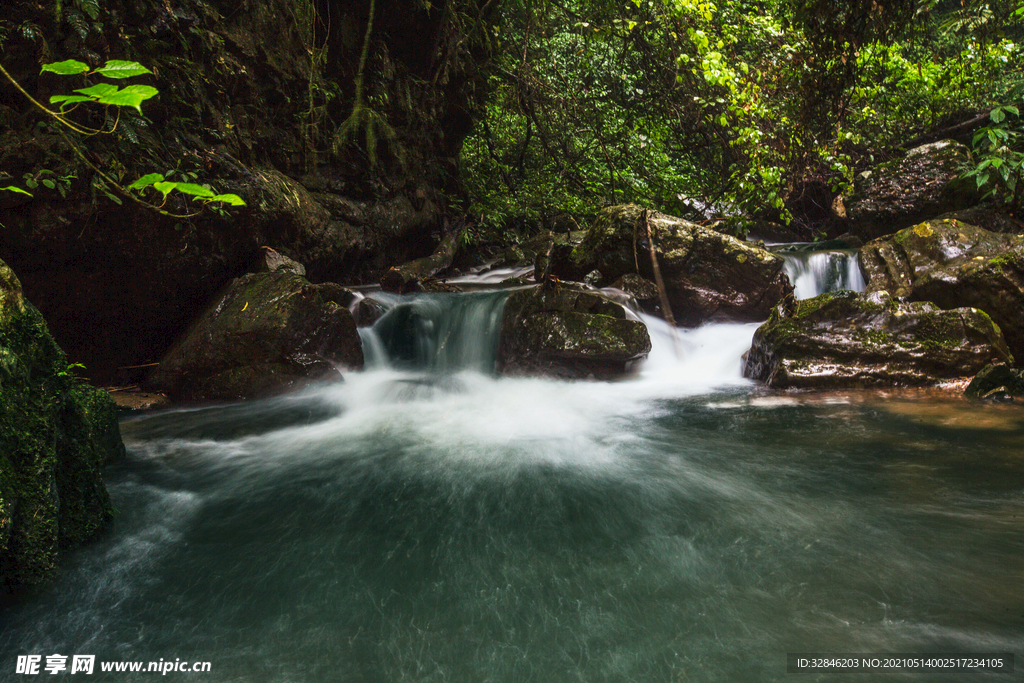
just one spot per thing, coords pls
(69, 67)
(69, 99)
(117, 68)
(12, 188)
(232, 199)
(145, 181)
(98, 91)
(132, 96)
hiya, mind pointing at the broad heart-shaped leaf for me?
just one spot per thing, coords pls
(193, 189)
(232, 199)
(65, 100)
(117, 68)
(132, 96)
(66, 68)
(145, 181)
(98, 91)
(185, 188)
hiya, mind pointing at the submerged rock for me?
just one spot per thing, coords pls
(56, 434)
(570, 334)
(849, 339)
(708, 275)
(953, 264)
(923, 184)
(995, 377)
(264, 334)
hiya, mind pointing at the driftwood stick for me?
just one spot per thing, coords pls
(405, 277)
(666, 308)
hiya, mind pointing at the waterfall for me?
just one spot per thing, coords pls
(816, 272)
(436, 332)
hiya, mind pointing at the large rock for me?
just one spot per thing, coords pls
(997, 380)
(923, 184)
(265, 333)
(708, 275)
(849, 339)
(56, 434)
(570, 334)
(953, 264)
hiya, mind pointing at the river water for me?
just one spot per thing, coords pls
(427, 521)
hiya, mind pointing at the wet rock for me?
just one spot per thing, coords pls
(953, 264)
(368, 312)
(988, 217)
(995, 377)
(139, 400)
(923, 184)
(708, 275)
(997, 395)
(56, 434)
(272, 261)
(850, 339)
(570, 334)
(265, 333)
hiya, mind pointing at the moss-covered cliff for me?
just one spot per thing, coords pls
(56, 434)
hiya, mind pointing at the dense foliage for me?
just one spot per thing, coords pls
(705, 107)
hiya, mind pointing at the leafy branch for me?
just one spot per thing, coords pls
(110, 95)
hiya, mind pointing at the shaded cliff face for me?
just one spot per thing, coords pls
(252, 95)
(56, 434)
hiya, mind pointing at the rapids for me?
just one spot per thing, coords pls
(425, 520)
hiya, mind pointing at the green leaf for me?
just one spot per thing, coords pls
(50, 184)
(997, 115)
(185, 188)
(65, 100)
(12, 188)
(116, 68)
(145, 181)
(164, 188)
(981, 179)
(193, 189)
(113, 197)
(98, 91)
(1012, 110)
(232, 199)
(132, 96)
(69, 67)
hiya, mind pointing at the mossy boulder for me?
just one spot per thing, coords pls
(570, 334)
(56, 434)
(923, 184)
(996, 377)
(266, 333)
(953, 264)
(850, 339)
(708, 275)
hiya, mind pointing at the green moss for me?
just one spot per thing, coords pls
(55, 435)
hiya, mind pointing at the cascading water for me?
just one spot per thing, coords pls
(439, 332)
(815, 272)
(425, 520)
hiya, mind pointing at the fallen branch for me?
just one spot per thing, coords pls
(963, 127)
(406, 277)
(662, 294)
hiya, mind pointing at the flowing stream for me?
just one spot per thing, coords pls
(425, 520)
(815, 271)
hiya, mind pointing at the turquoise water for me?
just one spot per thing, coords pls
(425, 524)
